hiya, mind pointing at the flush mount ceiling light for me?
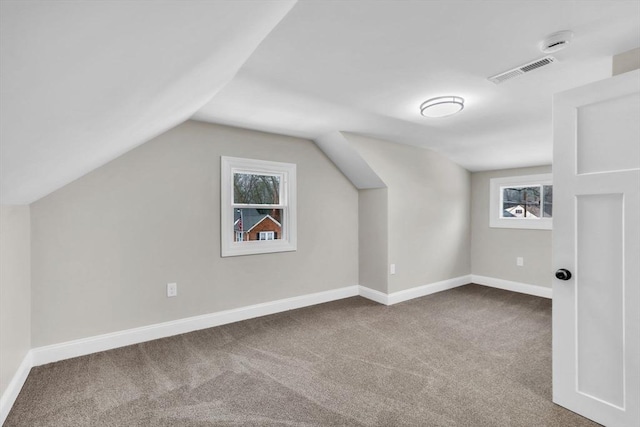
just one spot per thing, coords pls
(442, 106)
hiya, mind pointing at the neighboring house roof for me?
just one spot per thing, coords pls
(265, 217)
(250, 218)
(511, 212)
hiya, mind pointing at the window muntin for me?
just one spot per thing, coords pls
(521, 202)
(258, 212)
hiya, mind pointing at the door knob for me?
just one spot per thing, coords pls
(563, 274)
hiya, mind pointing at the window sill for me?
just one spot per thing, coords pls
(254, 247)
(533, 224)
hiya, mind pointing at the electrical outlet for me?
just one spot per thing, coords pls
(392, 269)
(519, 261)
(172, 289)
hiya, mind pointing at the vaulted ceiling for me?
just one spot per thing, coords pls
(84, 82)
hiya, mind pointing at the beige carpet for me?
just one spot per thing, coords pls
(471, 356)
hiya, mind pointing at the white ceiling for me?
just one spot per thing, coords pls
(83, 82)
(365, 67)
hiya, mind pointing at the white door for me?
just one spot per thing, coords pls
(596, 237)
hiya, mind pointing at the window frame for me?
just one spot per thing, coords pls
(288, 237)
(495, 202)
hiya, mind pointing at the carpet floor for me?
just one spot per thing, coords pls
(470, 356)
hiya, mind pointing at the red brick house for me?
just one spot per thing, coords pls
(250, 224)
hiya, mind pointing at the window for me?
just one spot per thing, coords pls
(266, 235)
(521, 202)
(258, 208)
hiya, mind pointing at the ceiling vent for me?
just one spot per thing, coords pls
(518, 71)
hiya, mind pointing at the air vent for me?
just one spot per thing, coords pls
(518, 71)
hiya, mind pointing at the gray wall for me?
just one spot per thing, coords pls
(428, 212)
(15, 290)
(373, 220)
(626, 61)
(494, 250)
(105, 246)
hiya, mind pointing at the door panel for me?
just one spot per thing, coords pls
(596, 235)
(599, 290)
(597, 123)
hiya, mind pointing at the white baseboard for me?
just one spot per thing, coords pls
(373, 295)
(523, 288)
(429, 289)
(15, 385)
(81, 347)
(66, 350)
(418, 291)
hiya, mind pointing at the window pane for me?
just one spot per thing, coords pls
(256, 189)
(548, 201)
(266, 235)
(521, 202)
(257, 224)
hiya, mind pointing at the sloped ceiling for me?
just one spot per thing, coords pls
(85, 81)
(366, 66)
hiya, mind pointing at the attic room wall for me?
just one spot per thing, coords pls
(15, 291)
(373, 233)
(105, 246)
(428, 212)
(494, 250)
(626, 61)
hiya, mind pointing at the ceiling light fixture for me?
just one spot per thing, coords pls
(442, 106)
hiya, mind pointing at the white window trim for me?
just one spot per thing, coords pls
(288, 240)
(495, 202)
